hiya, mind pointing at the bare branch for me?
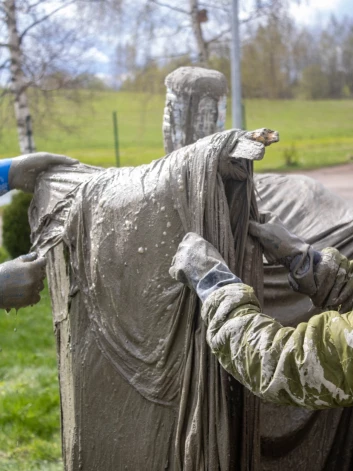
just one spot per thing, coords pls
(166, 5)
(44, 18)
(31, 6)
(213, 7)
(172, 33)
(5, 64)
(171, 56)
(219, 36)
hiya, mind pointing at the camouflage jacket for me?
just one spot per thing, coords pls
(309, 366)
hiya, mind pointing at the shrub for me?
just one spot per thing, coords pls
(290, 156)
(4, 255)
(16, 230)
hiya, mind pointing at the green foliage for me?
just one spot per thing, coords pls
(4, 255)
(314, 84)
(150, 78)
(290, 155)
(29, 405)
(16, 230)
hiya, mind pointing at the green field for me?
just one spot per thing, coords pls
(29, 404)
(316, 133)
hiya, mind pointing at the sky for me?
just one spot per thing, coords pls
(307, 12)
(316, 11)
(101, 56)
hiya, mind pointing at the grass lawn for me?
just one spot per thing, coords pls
(312, 134)
(29, 395)
(315, 133)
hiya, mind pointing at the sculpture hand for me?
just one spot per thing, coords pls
(25, 169)
(21, 281)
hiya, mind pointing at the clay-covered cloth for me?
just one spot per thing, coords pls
(148, 393)
(293, 438)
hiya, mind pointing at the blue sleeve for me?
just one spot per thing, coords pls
(5, 165)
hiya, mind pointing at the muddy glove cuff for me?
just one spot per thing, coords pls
(199, 265)
(5, 165)
(216, 278)
(302, 268)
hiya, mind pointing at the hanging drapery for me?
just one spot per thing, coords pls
(139, 386)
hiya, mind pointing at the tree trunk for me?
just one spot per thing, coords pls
(197, 30)
(18, 82)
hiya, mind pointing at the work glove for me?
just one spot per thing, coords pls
(326, 276)
(200, 266)
(282, 247)
(21, 281)
(25, 169)
(334, 280)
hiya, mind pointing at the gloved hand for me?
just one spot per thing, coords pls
(21, 280)
(25, 169)
(334, 280)
(282, 247)
(199, 265)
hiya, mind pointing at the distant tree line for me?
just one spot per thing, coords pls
(280, 60)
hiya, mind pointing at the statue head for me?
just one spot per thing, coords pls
(195, 106)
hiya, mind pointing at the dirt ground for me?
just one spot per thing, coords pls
(338, 179)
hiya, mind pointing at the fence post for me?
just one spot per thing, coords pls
(116, 138)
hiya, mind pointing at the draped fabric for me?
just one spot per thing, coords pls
(144, 391)
(293, 438)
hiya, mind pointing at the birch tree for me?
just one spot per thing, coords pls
(18, 81)
(33, 46)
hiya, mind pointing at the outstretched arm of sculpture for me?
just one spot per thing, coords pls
(21, 279)
(309, 366)
(20, 173)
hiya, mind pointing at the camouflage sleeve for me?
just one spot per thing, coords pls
(309, 366)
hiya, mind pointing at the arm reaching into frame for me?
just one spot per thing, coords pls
(310, 366)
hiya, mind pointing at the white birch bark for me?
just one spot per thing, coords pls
(18, 81)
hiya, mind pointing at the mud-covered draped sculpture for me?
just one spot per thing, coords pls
(140, 389)
(291, 438)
